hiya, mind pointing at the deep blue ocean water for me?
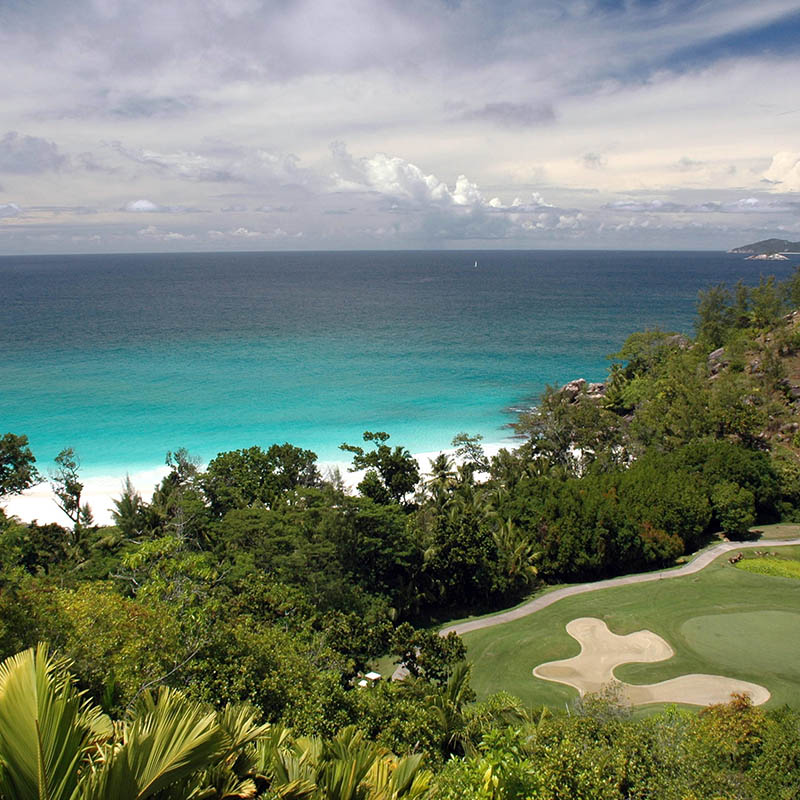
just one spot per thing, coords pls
(124, 357)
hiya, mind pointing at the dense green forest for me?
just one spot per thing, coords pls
(237, 609)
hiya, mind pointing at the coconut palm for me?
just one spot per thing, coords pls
(442, 480)
(517, 555)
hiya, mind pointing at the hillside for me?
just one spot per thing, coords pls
(768, 247)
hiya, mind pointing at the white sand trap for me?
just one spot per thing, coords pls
(602, 652)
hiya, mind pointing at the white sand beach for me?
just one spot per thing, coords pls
(38, 503)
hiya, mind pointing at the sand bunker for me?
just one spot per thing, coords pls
(602, 652)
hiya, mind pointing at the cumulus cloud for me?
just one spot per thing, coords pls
(28, 155)
(252, 90)
(433, 210)
(784, 172)
(396, 178)
(144, 206)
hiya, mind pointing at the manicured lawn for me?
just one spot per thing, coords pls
(780, 530)
(721, 621)
(771, 565)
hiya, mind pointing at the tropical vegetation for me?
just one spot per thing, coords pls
(213, 641)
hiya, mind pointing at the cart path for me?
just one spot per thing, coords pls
(538, 603)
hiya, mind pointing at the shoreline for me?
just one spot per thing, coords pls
(38, 503)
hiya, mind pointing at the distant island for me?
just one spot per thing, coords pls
(768, 248)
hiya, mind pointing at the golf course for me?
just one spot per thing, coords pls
(721, 622)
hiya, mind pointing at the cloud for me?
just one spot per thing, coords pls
(189, 165)
(221, 163)
(784, 172)
(57, 210)
(8, 210)
(654, 206)
(594, 160)
(560, 98)
(144, 206)
(519, 115)
(404, 182)
(246, 233)
(88, 162)
(743, 205)
(152, 232)
(686, 164)
(142, 106)
(281, 209)
(28, 155)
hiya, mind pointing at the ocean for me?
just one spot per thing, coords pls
(124, 357)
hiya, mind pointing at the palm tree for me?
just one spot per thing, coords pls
(47, 729)
(55, 745)
(442, 480)
(345, 768)
(516, 556)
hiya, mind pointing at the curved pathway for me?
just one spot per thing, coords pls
(538, 603)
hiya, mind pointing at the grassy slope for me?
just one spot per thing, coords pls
(720, 621)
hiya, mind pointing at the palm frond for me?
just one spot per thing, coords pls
(168, 740)
(46, 727)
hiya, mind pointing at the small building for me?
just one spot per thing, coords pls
(370, 679)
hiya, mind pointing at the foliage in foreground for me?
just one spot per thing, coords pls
(54, 744)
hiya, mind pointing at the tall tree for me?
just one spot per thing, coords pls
(392, 473)
(68, 488)
(17, 472)
(469, 451)
(255, 477)
(715, 315)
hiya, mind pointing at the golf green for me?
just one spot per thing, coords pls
(719, 621)
(753, 640)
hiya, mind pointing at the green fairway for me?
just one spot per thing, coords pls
(772, 565)
(778, 530)
(720, 621)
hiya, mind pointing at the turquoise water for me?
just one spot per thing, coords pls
(125, 357)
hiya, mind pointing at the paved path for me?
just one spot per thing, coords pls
(538, 603)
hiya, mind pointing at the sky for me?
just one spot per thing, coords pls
(190, 125)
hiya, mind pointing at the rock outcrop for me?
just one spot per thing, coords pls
(581, 388)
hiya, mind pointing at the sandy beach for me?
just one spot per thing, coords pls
(38, 503)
